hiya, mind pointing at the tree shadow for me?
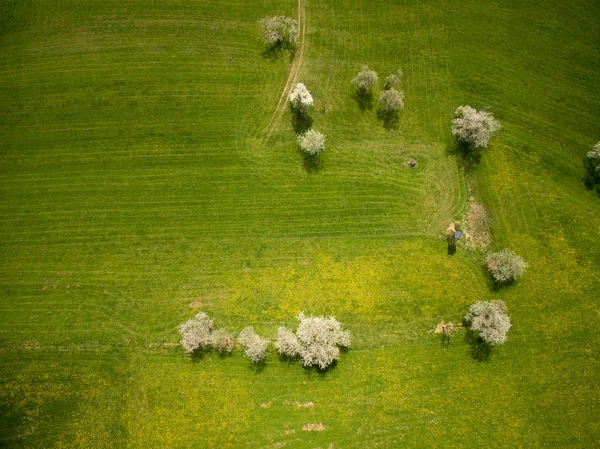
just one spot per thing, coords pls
(312, 372)
(199, 354)
(390, 119)
(480, 350)
(257, 368)
(468, 156)
(364, 100)
(276, 51)
(287, 359)
(301, 122)
(313, 164)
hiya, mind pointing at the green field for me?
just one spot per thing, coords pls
(147, 173)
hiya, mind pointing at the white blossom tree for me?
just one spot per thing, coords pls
(196, 333)
(365, 80)
(393, 79)
(391, 101)
(490, 320)
(255, 347)
(287, 343)
(300, 99)
(317, 341)
(279, 30)
(473, 127)
(594, 153)
(222, 341)
(505, 265)
(311, 142)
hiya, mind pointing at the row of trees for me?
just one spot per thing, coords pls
(311, 141)
(317, 340)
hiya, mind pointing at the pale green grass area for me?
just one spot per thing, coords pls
(139, 185)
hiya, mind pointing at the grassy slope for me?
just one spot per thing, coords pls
(136, 179)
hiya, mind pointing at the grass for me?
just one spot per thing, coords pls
(139, 184)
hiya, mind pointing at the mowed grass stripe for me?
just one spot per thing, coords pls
(177, 203)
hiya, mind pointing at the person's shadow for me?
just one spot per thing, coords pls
(451, 245)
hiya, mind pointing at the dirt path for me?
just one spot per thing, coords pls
(291, 79)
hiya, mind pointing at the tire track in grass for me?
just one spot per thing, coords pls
(294, 70)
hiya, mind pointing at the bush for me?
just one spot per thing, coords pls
(318, 340)
(365, 80)
(474, 128)
(279, 31)
(505, 265)
(490, 320)
(393, 79)
(301, 99)
(196, 332)
(255, 347)
(222, 341)
(311, 142)
(391, 101)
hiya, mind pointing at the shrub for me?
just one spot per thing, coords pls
(319, 338)
(311, 142)
(222, 341)
(473, 127)
(505, 265)
(287, 343)
(391, 101)
(279, 30)
(393, 79)
(196, 332)
(490, 320)
(365, 80)
(255, 347)
(301, 99)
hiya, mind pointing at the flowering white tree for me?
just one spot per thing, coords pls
(222, 341)
(474, 127)
(490, 320)
(317, 341)
(311, 142)
(365, 80)
(391, 101)
(287, 343)
(594, 153)
(505, 265)
(279, 30)
(301, 99)
(393, 79)
(196, 333)
(591, 162)
(255, 347)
